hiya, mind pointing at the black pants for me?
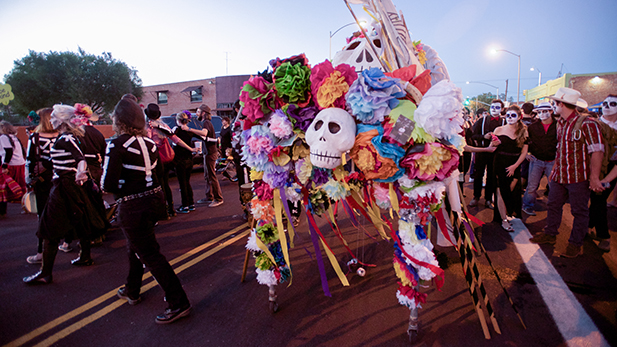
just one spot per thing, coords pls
(137, 218)
(484, 161)
(184, 168)
(165, 184)
(598, 210)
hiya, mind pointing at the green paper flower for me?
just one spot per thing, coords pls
(292, 82)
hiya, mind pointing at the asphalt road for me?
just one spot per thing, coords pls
(206, 247)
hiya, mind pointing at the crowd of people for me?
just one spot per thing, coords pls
(574, 148)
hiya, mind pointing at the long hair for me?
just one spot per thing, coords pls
(521, 129)
(45, 123)
(65, 127)
(7, 128)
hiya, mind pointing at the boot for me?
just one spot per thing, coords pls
(85, 259)
(50, 249)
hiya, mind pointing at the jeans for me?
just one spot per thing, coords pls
(537, 168)
(579, 207)
(137, 218)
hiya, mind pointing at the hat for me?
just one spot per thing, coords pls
(569, 96)
(130, 114)
(152, 111)
(205, 108)
(544, 106)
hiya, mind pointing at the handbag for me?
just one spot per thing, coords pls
(166, 153)
(28, 202)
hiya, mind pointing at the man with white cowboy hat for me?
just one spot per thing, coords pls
(541, 155)
(576, 171)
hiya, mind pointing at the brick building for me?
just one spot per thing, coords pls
(219, 93)
(593, 87)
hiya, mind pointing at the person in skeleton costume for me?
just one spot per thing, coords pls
(482, 134)
(131, 171)
(598, 209)
(69, 212)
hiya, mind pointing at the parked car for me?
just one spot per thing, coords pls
(195, 124)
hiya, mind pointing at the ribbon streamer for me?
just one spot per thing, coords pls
(279, 224)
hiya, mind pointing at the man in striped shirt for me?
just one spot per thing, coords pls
(576, 171)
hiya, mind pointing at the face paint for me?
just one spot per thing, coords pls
(495, 109)
(609, 106)
(544, 114)
(511, 117)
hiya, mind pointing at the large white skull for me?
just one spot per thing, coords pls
(359, 54)
(332, 132)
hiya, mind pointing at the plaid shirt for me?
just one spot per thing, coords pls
(574, 149)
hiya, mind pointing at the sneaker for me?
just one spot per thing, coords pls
(572, 251)
(183, 209)
(171, 315)
(489, 205)
(191, 207)
(529, 211)
(35, 259)
(605, 245)
(544, 238)
(123, 294)
(473, 202)
(505, 224)
(204, 201)
(65, 247)
(216, 203)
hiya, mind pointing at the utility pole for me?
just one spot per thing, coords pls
(226, 63)
(506, 96)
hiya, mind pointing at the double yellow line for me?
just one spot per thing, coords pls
(111, 294)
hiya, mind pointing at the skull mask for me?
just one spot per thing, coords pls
(359, 54)
(332, 132)
(609, 106)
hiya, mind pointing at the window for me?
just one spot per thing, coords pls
(161, 97)
(196, 95)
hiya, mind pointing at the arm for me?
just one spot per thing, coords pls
(594, 176)
(490, 148)
(201, 133)
(112, 166)
(610, 176)
(510, 169)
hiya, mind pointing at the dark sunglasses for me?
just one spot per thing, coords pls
(612, 103)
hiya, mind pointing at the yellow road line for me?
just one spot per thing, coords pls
(54, 323)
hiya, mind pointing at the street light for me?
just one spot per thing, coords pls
(518, 80)
(362, 22)
(539, 76)
(490, 85)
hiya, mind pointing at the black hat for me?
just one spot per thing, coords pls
(152, 111)
(130, 114)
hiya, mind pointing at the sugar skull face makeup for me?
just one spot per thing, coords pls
(609, 106)
(511, 117)
(543, 114)
(495, 109)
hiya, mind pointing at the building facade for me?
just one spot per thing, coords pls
(220, 93)
(593, 87)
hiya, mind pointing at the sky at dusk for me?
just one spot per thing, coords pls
(173, 41)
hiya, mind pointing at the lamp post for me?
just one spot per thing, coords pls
(539, 74)
(518, 79)
(490, 85)
(339, 29)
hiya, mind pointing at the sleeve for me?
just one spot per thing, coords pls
(8, 150)
(101, 144)
(112, 167)
(74, 148)
(593, 136)
(476, 131)
(31, 155)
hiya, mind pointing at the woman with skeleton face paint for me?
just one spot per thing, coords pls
(511, 142)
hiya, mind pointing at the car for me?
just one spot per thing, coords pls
(195, 124)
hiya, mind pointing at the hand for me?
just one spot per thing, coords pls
(530, 157)
(491, 148)
(195, 150)
(495, 143)
(488, 135)
(5, 171)
(510, 170)
(184, 127)
(595, 185)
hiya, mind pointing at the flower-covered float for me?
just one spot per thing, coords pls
(347, 134)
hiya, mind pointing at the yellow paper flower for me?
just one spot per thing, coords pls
(332, 88)
(430, 164)
(401, 275)
(304, 171)
(300, 150)
(366, 161)
(256, 175)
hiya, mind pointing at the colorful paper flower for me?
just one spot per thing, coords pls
(292, 83)
(301, 117)
(335, 190)
(435, 161)
(262, 190)
(279, 125)
(304, 170)
(257, 98)
(262, 210)
(439, 113)
(382, 195)
(267, 233)
(329, 85)
(373, 95)
(318, 201)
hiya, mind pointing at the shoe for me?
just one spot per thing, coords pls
(605, 245)
(234, 179)
(35, 259)
(529, 211)
(183, 209)
(82, 262)
(544, 238)
(505, 224)
(216, 203)
(572, 251)
(470, 180)
(191, 207)
(172, 315)
(489, 205)
(171, 213)
(65, 247)
(38, 278)
(204, 201)
(123, 294)
(473, 202)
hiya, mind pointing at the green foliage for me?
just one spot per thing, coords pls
(44, 79)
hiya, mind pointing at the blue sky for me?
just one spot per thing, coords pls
(194, 39)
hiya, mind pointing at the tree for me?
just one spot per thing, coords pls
(44, 79)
